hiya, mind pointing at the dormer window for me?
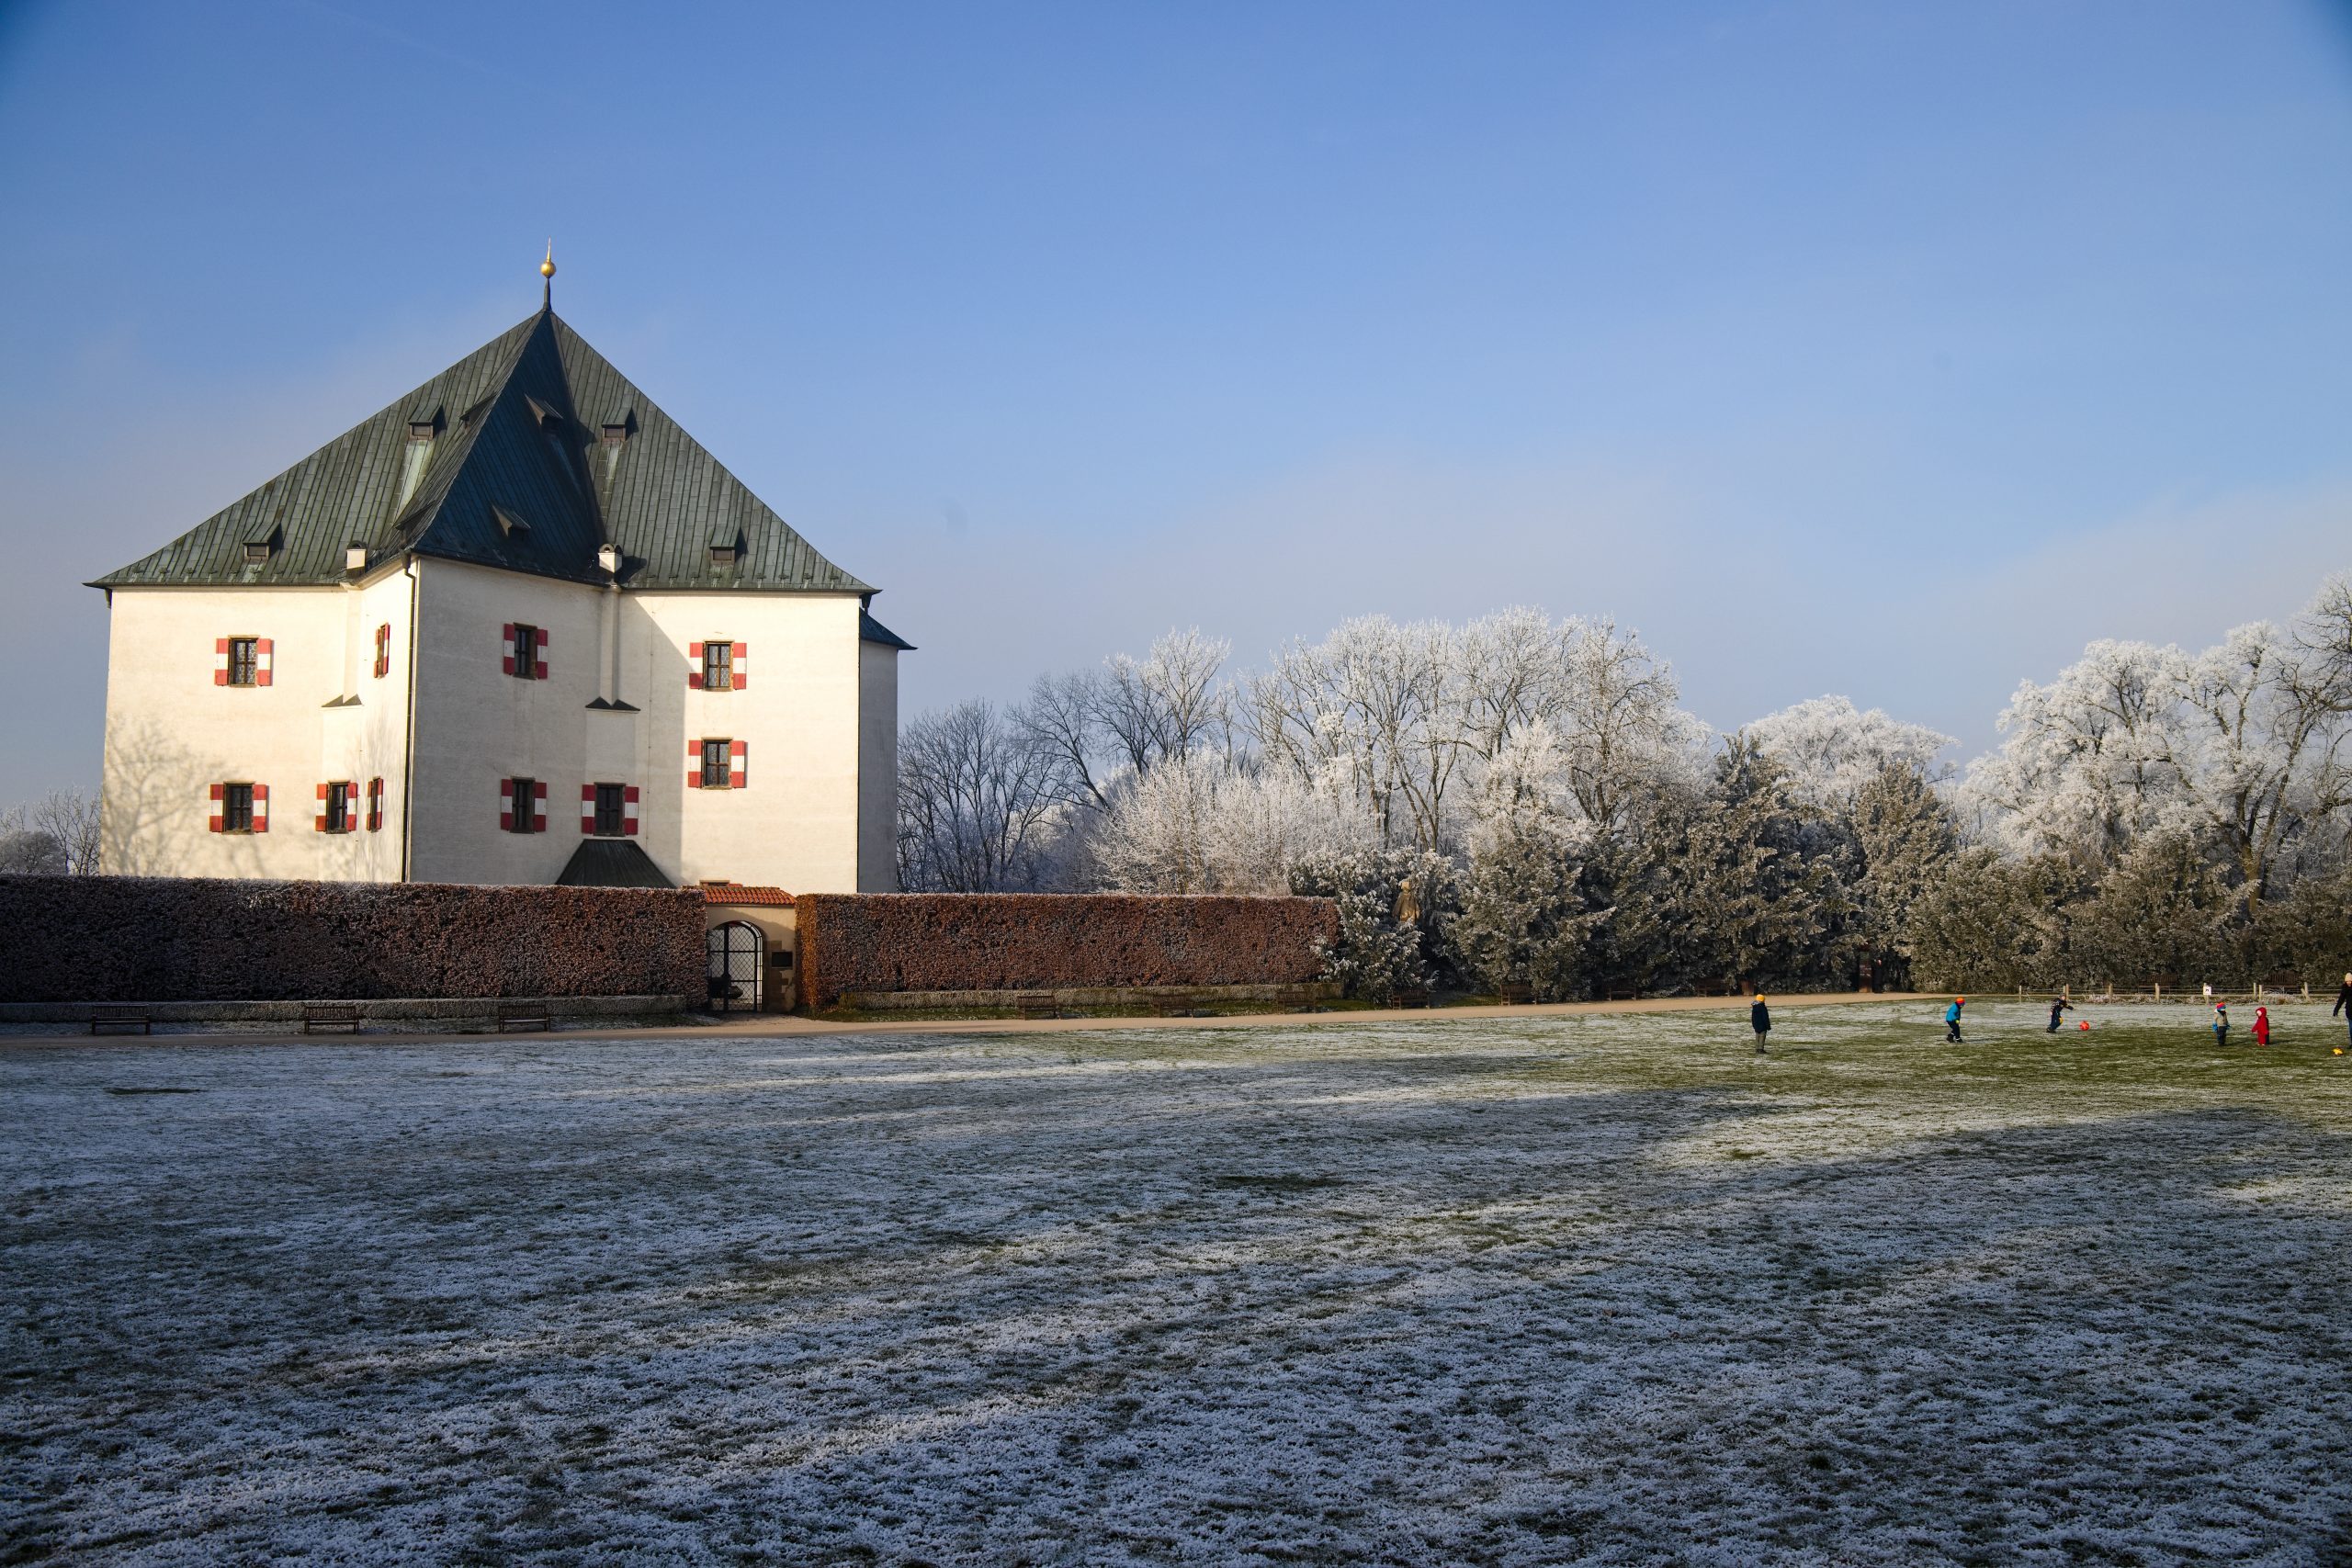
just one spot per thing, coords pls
(514, 527)
(256, 551)
(424, 427)
(548, 420)
(721, 554)
(726, 544)
(616, 434)
(355, 557)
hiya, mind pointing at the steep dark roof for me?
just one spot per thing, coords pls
(520, 476)
(611, 862)
(871, 630)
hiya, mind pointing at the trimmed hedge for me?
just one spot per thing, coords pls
(147, 939)
(1019, 942)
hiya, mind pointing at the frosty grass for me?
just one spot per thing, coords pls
(1597, 1289)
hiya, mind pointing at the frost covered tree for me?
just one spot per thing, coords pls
(1394, 906)
(1199, 824)
(1131, 714)
(55, 836)
(2159, 915)
(2247, 746)
(1833, 749)
(1904, 838)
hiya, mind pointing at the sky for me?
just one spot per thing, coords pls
(1891, 350)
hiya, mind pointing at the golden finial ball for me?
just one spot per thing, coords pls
(546, 267)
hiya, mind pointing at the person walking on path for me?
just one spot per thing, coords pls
(1952, 1020)
(2343, 1005)
(2221, 1023)
(2262, 1026)
(2058, 1005)
(1760, 1019)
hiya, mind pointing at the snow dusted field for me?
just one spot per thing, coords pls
(1597, 1289)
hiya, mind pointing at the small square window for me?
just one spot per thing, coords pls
(237, 809)
(718, 667)
(243, 660)
(714, 764)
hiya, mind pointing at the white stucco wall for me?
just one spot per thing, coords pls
(877, 768)
(172, 733)
(818, 714)
(795, 825)
(478, 726)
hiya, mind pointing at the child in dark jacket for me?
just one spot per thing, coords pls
(2058, 1005)
(1760, 1019)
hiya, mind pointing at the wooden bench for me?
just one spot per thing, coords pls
(325, 1017)
(1035, 1004)
(120, 1021)
(1518, 996)
(524, 1020)
(1408, 998)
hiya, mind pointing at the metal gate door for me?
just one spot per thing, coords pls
(735, 952)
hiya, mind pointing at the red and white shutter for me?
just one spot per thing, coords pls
(220, 662)
(628, 811)
(694, 760)
(383, 650)
(220, 792)
(375, 805)
(506, 656)
(261, 661)
(739, 764)
(506, 806)
(539, 654)
(320, 825)
(538, 808)
(742, 680)
(588, 808)
(694, 666)
(261, 808)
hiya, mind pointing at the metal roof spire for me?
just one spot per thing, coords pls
(547, 276)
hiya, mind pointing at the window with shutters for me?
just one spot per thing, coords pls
(523, 645)
(336, 807)
(236, 808)
(714, 764)
(383, 650)
(522, 806)
(244, 663)
(718, 666)
(608, 810)
(375, 805)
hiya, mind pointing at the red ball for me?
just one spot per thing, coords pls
(2085, 1024)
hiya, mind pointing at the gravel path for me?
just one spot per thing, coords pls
(1604, 1289)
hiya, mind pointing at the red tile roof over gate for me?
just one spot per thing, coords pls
(740, 893)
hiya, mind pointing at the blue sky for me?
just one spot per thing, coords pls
(1891, 350)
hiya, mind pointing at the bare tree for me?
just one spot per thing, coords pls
(979, 802)
(71, 819)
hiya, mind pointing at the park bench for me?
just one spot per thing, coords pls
(520, 1021)
(120, 1021)
(1518, 996)
(323, 1017)
(1415, 999)
(1035, 1004)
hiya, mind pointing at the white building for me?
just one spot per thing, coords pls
(517, 627)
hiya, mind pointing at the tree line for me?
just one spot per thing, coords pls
(1520, 802)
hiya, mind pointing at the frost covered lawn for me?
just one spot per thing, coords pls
(1603, 1289)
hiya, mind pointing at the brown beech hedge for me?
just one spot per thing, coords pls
(1012, 941)
(141, 939)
